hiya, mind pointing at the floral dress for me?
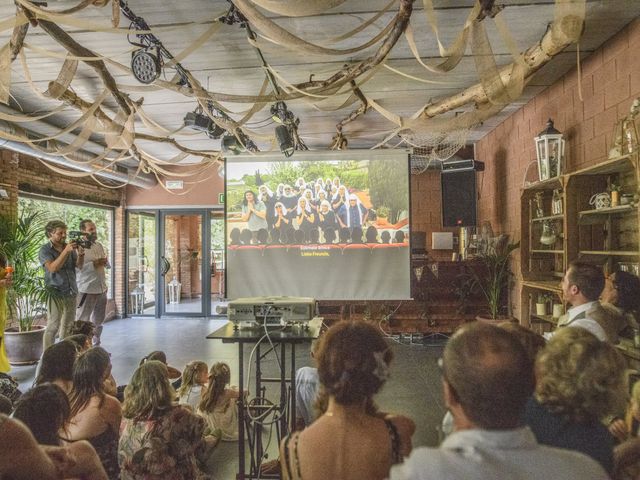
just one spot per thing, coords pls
(166, 448)
(4, 361)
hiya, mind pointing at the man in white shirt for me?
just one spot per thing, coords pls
(582, 285)
(92, 281)
(487, 379)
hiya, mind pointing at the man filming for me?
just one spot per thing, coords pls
(60, 260)
(92, 281)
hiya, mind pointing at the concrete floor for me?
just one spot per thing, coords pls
(414, 388)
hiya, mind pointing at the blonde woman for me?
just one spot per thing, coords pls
(194, 383)
(579, 381)
(218, 406)
(158, 439)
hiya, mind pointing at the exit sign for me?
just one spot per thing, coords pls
(221, 198)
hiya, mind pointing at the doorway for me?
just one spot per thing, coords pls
(176, 262)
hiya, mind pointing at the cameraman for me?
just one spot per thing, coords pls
(60, 260)
(92, 280)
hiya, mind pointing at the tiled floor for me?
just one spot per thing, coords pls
(414, 388)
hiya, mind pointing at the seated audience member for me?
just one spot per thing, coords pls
(160, 356)
(352, 439)
(6, 405)
(23, 459)
(81, 341)
(399, 237)
(356, 235)
(298, 237)
(626, 459)
(45, 411)
(262, 236)
(630, 426)
(246, 236)
(234, 236)
(56, 365)
(582, 285)
(307, 384)
(372, 234)
(314, 236)
(344, 235)
(621, 299)
(532, 342)
(329, 235)
(487, 379)
(579, 381)
(95, 416)
(385, 237)
(194, 382)
(218, 405)
(275, 236)
(83, 327)
(158, 439)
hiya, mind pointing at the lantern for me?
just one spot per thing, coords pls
(174, 287)
(137, 300)
(550, 152)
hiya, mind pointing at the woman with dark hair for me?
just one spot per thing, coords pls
(56, 365)
(159, 440)
(351, 439)
(45, 410)
(254, 212)
(95, 416)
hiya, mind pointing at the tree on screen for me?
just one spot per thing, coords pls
(388, 187)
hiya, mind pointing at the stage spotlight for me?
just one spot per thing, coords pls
(215, 131)
(230, 144)
(145, 66)
(285, 140)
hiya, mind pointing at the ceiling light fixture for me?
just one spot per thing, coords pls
(285, 140)
(145, 66)
(230, 144)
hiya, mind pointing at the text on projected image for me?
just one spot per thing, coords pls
(327, 229)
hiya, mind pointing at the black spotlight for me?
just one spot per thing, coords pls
(145, 66)
(285, 141)
(229, 143)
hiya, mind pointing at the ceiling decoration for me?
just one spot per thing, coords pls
(113, 109)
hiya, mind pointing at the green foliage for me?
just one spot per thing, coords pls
(20, 242)
(493, 279)
(387, 187)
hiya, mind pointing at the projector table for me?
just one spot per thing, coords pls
(290, 335)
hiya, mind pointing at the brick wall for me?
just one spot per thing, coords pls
(610, 83)
(19, 173)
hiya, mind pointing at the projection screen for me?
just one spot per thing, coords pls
(327, 225)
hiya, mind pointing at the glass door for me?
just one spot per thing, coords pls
(181, 264)
(141, 263)
(217, 263)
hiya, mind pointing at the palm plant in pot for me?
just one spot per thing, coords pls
(493, 277)
(28, 296)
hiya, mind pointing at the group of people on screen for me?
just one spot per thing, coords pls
(324, 211)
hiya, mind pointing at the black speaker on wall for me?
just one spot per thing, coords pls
(459, 198)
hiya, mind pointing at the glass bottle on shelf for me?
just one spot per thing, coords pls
(539, 210)
(556, 203)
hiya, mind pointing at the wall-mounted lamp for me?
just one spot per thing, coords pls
(145, 66)
(550, 152)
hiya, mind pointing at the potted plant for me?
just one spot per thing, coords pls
(28, 296)
(541, 304)
(492, 278)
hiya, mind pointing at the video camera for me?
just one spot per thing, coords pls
(79, 238)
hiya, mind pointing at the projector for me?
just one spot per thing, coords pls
(197, 121)
(271, 311)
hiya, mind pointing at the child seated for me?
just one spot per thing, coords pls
(194, 383)
(218, 406)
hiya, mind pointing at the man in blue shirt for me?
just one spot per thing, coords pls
(60, 260)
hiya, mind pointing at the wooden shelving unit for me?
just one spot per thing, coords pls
(605, 236)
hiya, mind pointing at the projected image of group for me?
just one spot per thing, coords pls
(300, 219)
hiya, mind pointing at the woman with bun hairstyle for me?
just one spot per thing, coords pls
(352, 439)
